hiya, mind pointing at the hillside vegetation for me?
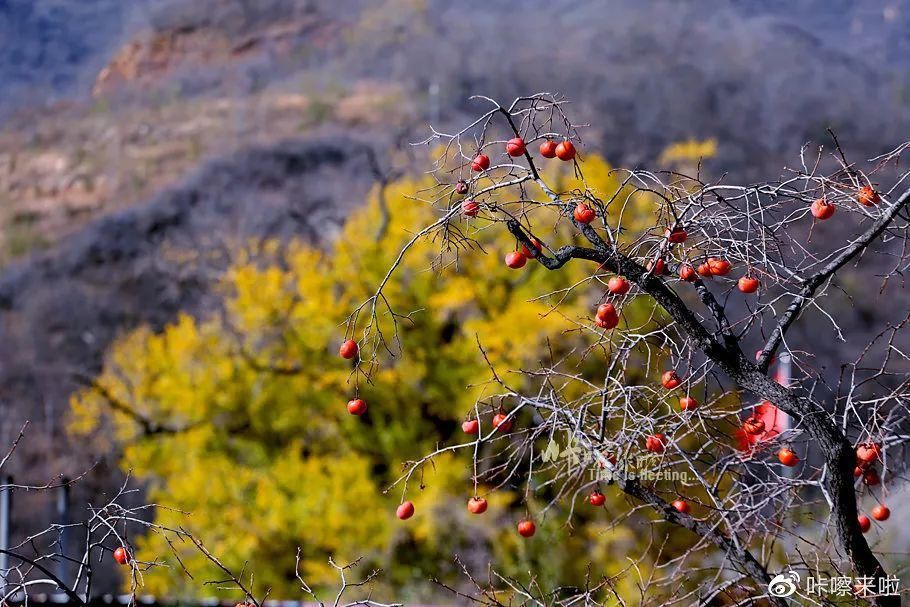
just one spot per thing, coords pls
(145, 144)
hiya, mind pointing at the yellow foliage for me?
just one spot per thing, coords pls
(688, 152)
(254, 437)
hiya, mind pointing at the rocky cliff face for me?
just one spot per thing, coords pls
(200, 54)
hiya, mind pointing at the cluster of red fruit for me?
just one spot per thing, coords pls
(598, 499)
(713, 266)
(564, 150)
(607, 316)
(867, 454)
(501, 423)
(670, 380)
(656, 443)
(518, 259)
(478, 505)
(823, 209)
(753, 425)
(349, 350)
(584, 214)
(515, 147)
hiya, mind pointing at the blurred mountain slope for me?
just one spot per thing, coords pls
(60, 310)
(108, 102)
(50, 49)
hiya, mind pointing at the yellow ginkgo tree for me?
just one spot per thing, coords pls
(239, 417)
